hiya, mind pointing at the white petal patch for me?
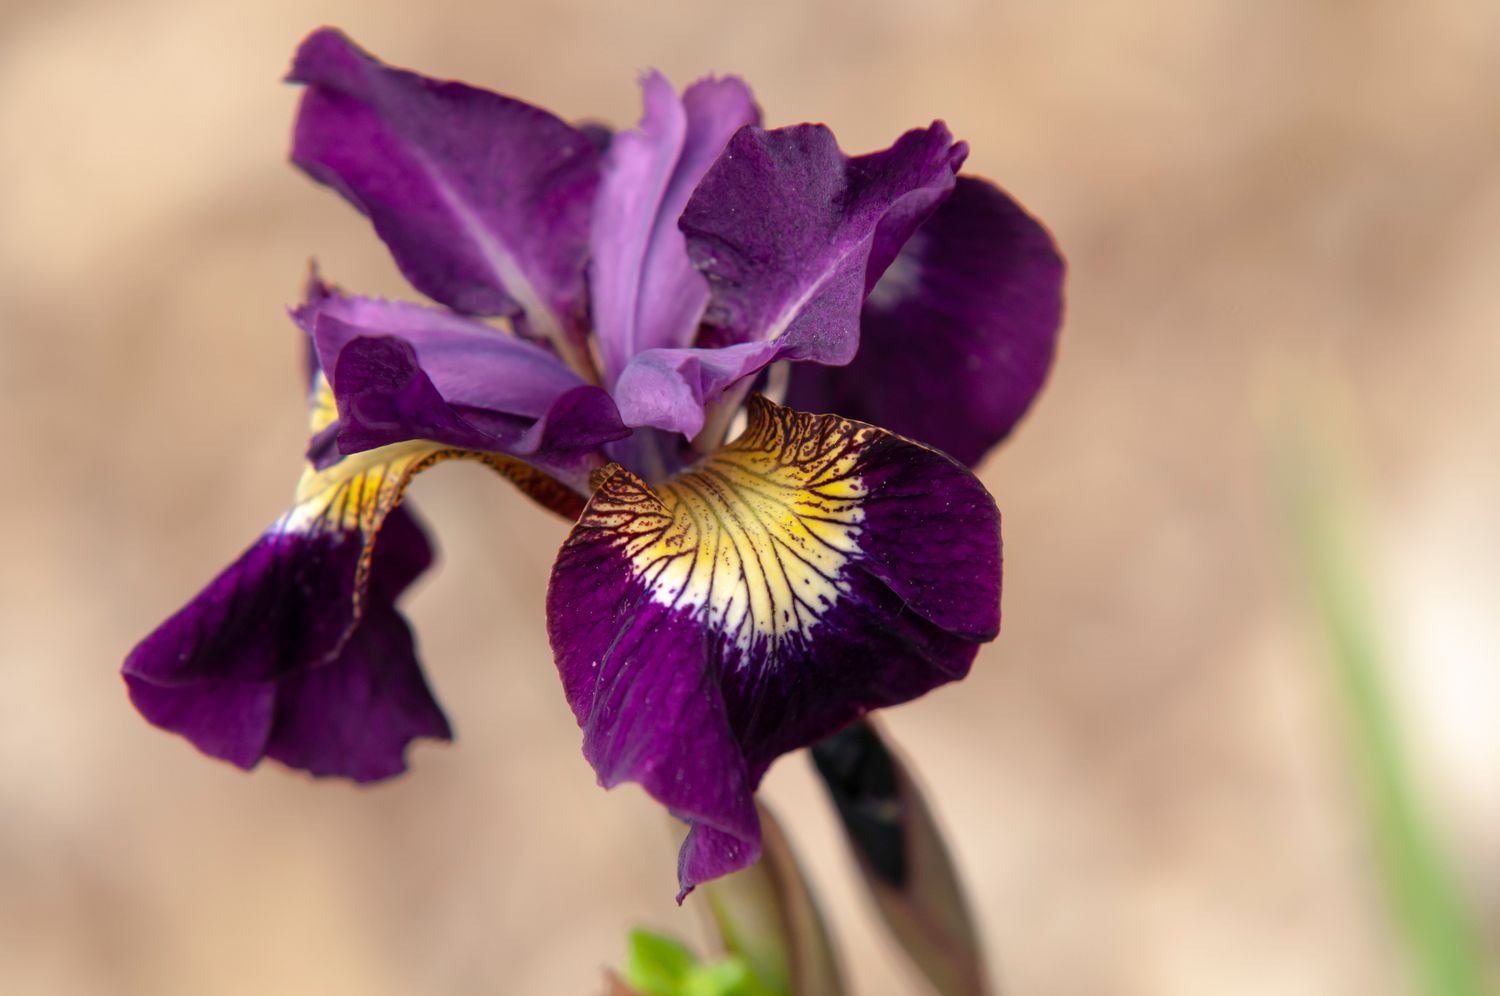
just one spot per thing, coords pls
(755, 539)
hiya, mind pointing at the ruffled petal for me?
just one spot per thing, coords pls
(471, 363)
(957, 337)
(483, 200)
(812, 570)
(644, 290)
(385, 396)
(296, 651)
(791, 235)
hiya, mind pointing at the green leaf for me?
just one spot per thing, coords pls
(656, 965)
(1432, 919)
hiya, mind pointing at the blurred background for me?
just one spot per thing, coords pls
(1283, 223)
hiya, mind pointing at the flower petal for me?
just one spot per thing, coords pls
(785, 227)
(643, 287)
(670, 388)
(791, 235)
(812, 570)
(673, 293)
(958, 336)
(296, 650)
(385, 396)
(636, 171)
(472, 364)
(483, 200)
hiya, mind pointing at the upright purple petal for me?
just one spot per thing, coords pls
(812, 570)
(636, 171)
(643, 287)
(483, 200)
(957, 337)
(673, 293)
(791, 235)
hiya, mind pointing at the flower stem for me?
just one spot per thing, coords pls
(767, 915)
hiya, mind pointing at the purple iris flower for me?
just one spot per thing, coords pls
(608, 307)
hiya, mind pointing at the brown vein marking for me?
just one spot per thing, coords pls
(357, 493)
(755, 538)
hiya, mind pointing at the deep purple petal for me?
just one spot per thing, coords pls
(784, 226)
(791, 235)
(957, 338)
(812, 570)
(385, 396)
(483, 200)
(469, 362)
(644, 289)
(294, 653)
(355, 716)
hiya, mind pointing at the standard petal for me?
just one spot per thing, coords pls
(810, 571)
(483, 200)
(791, 235)
(957, 337)
(644, 289)
(636, 171)
(673, 293)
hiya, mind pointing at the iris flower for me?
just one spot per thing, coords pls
(607, 307)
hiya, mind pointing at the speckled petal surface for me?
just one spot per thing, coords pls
(791, 234)
(296, 651)
(812, 570)
(958, 336)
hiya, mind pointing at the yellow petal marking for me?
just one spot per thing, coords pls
(358, 492)
(755, 537)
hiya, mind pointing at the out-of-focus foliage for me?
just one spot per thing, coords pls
(656, 965)
(1441, 937)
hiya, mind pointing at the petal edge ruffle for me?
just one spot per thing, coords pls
(812, 570)
(483, 200)
(958, 337)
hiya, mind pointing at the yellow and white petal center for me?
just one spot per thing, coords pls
(754, 539)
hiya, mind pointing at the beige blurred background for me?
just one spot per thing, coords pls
(1267, 208)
